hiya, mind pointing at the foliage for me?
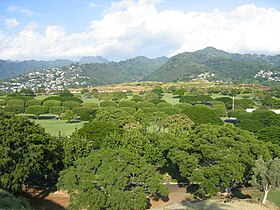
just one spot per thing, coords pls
(64, 93)
(90, 105)
(107, 104)
(59, 110)
(84, 113)
(27, 154)
(68, 115)
(62, 99)
(149, 110)
(15, 102)
(171, 110)
(71, 104)
(2, 102)
(10, 202)
(129, 110)
(36, 110)
(16, 109)
(111, 179)
(178, 123)
(141, 104)
(270, 134)
(136, 98)
(214, 156)
(266, 175)
(114, 115)
(151, 96)
(33, 102)
(164, 104)
(201, 114)
(51, 103)
(127, 103)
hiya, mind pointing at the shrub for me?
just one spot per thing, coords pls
(183, 106)
(15, 102)
(164, 104)
(171, 110)
(2, 102)
(16, 109)
(33, 102)
(137, 98)
(51, 103)
(90, 105)
(149, 110)
(84, 113)
(141, 104)
(127, 103)
(36, 110)
(130, 110)
(107, 104)
(71, 104)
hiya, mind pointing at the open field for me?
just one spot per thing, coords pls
(54, 127)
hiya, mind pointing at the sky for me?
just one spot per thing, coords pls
(122, 29)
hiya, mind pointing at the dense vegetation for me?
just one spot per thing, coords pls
(119, 158)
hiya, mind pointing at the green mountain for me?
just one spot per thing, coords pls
(9, 69)
(213, 64)
(84, 75)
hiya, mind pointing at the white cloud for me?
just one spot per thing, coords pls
(130, 28)
(11, 23)
(22, 10)
(92, 5)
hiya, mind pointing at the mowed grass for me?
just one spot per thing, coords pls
(169, 98)
(273, 195)
(56, 127)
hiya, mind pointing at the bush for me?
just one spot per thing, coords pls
(71, 104)
(127, 103)
(107, 104)
(171, 110)
(36, 110)
(236, 113)
(164, 104)
(149, 110)
(16, 109)
(183, 106)
(141, 104)
(15, 102)
(33, 102)
(202, 114)
(188, 99)
(130, 110)
(151, 96)
(84, 113)
(90, 105)
(137, 98)
(52, 103)
(2, 102)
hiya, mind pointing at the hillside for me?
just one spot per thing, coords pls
(213, 64)
(10, 69)
(84, 75)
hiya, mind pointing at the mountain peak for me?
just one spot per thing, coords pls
(93, 59)
(213, 51)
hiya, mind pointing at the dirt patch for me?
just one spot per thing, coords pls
(46, 199)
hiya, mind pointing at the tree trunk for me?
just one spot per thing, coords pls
(266, 190)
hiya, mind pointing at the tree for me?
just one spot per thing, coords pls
(2, 102)
(16, 109)
(71, 104)
(178, 123)
(33, 102)
(114, 115)
(27, 153)
(84, 113)
(15, 102)
(36, 110)
(216, 157)
(107, 104)
(90, 105)
(59, 110)
(111, 179)
(52, 103)
(266, 175)
(127, 103)
(151, 96)
(68, 115)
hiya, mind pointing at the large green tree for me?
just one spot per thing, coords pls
(214, 156)
(27, 153)
(111, 179)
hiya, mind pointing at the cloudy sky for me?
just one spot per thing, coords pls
(121, 29)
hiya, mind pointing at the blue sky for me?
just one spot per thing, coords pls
(50, 29)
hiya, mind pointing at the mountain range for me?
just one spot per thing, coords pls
(208, 64)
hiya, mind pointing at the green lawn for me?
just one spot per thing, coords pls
(54, 127)
(169, 98)
(273, 195)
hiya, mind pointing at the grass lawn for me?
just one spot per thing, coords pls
(169, 98)
(55, 126)
(273, 195)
